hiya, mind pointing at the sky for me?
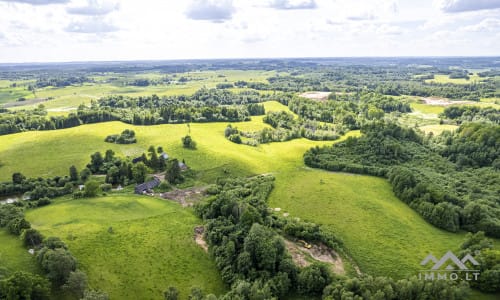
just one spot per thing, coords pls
(97, 30)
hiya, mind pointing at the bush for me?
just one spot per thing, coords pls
(31, 238)
(188, 142)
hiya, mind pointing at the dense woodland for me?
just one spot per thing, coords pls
(247, 244)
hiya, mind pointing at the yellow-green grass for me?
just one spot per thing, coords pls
(446, 79)
(151, 245)
(73, 146)
(13, 255)
(382, 234)
(426, 108)
(13, 94)
(438, 129)
(490, 100)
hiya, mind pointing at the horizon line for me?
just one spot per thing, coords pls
(244, 58)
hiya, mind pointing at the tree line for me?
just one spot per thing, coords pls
(246, 241)
(204, 106)
(452, 184)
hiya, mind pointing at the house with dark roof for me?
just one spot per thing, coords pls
(147, 186)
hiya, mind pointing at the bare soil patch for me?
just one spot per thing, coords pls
(186, 197)
(443, 101)
(198, 237)
(319, 252)
(318, 96)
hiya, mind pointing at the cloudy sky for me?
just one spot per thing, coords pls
(84, 30)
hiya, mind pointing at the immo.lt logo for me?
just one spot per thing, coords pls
(449, 267)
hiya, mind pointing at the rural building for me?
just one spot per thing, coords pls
(147, 186)
(164, 156)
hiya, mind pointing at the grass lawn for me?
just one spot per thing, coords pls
(151, 246)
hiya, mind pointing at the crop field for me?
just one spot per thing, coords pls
(133, 247)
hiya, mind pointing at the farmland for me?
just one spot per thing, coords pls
(151, 245)
(135, 247)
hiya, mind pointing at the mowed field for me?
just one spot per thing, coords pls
(150, 247)
(382, 234)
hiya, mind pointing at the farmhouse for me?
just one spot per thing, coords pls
(147, 186)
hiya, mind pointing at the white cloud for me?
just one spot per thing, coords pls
(486, 25)
(93, 25)
(210, 10)
(94, 8)
(293, 4)
(154, 29)
(38, 2)
(454, 6)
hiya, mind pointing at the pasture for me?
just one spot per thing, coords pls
(149, 248)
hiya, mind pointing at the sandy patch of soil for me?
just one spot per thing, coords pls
(186, 197)
(319, 252)
(443, 101)
(319, 96)
(198, 237)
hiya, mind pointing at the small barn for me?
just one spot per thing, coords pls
(147, 186)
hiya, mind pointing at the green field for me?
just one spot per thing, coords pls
(151, 247)
(446, 79)
(13, 255)
(383, 234)
(438, 129)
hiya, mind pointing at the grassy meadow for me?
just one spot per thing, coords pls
(13, 255)
(151, 245)
(362, 211)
